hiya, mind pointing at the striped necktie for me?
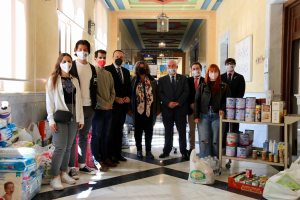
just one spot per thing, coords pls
(120, 75)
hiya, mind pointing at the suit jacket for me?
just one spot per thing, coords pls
(237, 86)
(121, 89)
(191, 99)
(166, 95)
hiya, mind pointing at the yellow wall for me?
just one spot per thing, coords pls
(244, 18)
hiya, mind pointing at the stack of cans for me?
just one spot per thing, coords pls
(250, 109)
(230, 108)
(240, 105)
(244, 148)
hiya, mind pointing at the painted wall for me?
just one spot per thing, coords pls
(244, 18)
(125, 39)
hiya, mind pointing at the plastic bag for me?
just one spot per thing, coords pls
(24, 136)
(10, 141)
(5, 134)
(199, 171)
(45, 130)
(46, 161)
(89, 155)
(33, 130)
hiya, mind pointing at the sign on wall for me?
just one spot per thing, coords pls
(243, 57)
(150, 59)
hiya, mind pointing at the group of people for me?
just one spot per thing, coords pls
(80, 95)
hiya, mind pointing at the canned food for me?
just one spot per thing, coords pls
(240, 115)
(251, 135)
(254, 154)
(270, 157)
(263, 179)
(255, 183)
(230, 113)
(241, 152)
(249, 173)
(280, 153)
(250, 102)
(240, 103)
(263, 155)
(275, 158)
(249, 182)
(243, 181)
(250, 115)
(231, 139)
(230, 102)
(230, 151)
(244, 139)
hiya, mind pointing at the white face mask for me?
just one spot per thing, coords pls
(213, 75)
(230, 68)
(66, 67)
(172, 71)
(196, 73)
(82, 55)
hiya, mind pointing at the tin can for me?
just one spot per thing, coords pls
(255, 183)
(230, 151)
(249, 182)
(263, 155)
(231, 139)
(270, 157)
(275, 158)
(244, 139)
(249, 115)
(251, 135)
(243, 181)
(250, 102)
(230, 113)
(254, 176)
(241, 152)
(254, 154)
(281, 159)
(249, 173)
(230, 102)
(263, 179)
(240, 103)
(280, 153)
(240, 115)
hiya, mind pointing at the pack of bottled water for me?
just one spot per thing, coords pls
(213, 163)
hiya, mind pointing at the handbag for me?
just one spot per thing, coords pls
(62, 116)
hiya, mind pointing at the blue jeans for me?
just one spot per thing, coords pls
(100, 131)
(209, 134)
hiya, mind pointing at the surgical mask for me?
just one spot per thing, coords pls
(82, 55)
(172, 71)
(196, 73)
(118, 61)
(230, 68)
(66, 67)
(213, 75)
(101, 62)
(142, 71)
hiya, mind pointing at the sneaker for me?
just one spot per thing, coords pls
(55, 184)
(73, 174)
(87, 170)
(65, 178)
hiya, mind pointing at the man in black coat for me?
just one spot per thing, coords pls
(236, 83)
(173, 91)
(122, 85)
(194, 82)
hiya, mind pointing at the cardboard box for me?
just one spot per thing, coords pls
(241, 186)
(269, 97)
(266, 114)
(277, 112)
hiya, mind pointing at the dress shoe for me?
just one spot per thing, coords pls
(149, 154)
(185, 156)
(121, 158)
(140, 154)
(163, 155)
(114, 160)
(108, 163)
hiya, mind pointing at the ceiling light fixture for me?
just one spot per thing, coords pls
(162, 21)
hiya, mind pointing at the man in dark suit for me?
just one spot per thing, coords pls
(122, 85)
(236, 83)
(194, 82)
(173, 90)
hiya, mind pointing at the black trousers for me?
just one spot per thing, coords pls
(235, 127)
(180, 121)
(116, 133)
(143, 123)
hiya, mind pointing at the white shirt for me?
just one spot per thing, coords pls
(174, 78)
(85, 75)
(120, 71)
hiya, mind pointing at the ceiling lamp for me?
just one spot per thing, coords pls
(161, 44)
(162, 21)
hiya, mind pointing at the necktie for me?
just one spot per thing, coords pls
(196, 84)
(173, 84)
(229, 80)
(120, 75)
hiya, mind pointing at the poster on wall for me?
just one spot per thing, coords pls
(149, 59)
(243, 57)
(153, 69)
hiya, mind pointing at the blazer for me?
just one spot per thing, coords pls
(121, 89)
(55, 100)
(237, 86)
(93, 83)
(191, 99)
(155, 106)
(166, 95)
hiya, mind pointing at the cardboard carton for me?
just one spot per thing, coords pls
(277, 112)
(266, 113)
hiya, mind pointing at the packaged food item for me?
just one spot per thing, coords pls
(230, 102)
(255, 183)
(230, 113)
(277, 112)
(266, 113)
(17, 165)
(241, 152)
(250, 115)
(258, 113)
(263, 179)
(240, 103)
(240, 114)
(270, 157)
(230, 151)
(249, 173)
(3, 123)
(254, 154)
(250, 102)
(264, 155)
(239, 178)
(249, 182)
(244, 139)
(5, 134)
(17, 152)
(288, 182)
(269, 97)
(251, 135)
(275, 158)
(231, 139)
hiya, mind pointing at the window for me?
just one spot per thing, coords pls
(64, 37)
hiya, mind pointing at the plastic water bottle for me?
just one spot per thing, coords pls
(217, 166)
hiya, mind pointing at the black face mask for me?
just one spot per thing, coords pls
(142, 71)
(118, 61)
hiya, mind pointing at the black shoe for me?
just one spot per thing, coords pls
(140, 154)
(185, 156)
(114, 160)
(163, 155)
(87, 170)
(121, 158)
(149, 154)
(73, 174)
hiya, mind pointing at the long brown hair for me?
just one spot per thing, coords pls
(216, 87)
(57, 70)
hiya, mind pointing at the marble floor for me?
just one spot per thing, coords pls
(154, 179)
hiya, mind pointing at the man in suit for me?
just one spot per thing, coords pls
(236, 83)
(122, 86)
(194, 82)
(173, 90)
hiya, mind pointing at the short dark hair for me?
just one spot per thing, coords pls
(228, 60)
(196, 63)
(117, 51)
(82, 42)
(7, 183)
(99, 51)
